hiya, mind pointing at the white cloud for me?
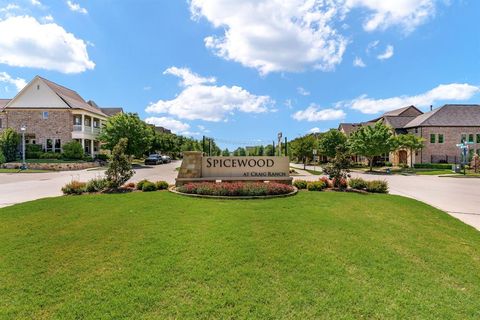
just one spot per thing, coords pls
(28, 43)
(288, 103)
(36, 3)
(19, 83)
(302, 91)
(315, 130)
(358, 62)
(273, 35)
(313, 113)
(202, 100)
(407, 14)
(9, 7)
(75, 7)
(188, 77)
(169, 123)
(48, 18)
(387, 54)
(453, 91)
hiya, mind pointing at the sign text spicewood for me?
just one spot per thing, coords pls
(245, 167)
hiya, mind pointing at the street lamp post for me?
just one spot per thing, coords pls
(24, 164)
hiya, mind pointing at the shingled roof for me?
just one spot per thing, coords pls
(72, 98)
(450, 115)
(3, 103)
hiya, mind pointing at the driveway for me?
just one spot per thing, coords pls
(459, 197)
(21, 187)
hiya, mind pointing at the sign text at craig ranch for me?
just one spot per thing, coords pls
(245, 167)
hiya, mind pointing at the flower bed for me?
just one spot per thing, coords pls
(236, 189)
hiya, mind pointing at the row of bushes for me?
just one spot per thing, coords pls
(236, 188)
(101, 185)
(373, 186)
(432, 166)
(71, 151)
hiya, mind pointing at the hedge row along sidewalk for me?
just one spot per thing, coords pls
(359, 184)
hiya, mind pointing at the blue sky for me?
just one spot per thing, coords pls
(241, 71)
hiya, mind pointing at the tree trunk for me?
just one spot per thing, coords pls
(304, 162)
(371, 164)
(411, 159)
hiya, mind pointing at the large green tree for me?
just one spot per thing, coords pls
(9, 141)
(302, 148)
(330, 141)
(128, 125)
(119, 168)
(410, 142)
(372, 141)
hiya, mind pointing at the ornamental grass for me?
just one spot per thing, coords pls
(237, 189)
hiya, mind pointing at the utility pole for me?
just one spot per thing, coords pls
(286, 148)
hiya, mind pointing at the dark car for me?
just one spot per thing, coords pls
(166, 159)
(154, 159)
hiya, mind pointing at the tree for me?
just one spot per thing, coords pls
(330, 141)
(302, 148)
(337, 169)
(119, 168)
(372, 141)
(269, 150)
(73, 150)
(410, 142)
(9, 141)
(128, 125)
(226, 153)
(260, 151)
(475, 164)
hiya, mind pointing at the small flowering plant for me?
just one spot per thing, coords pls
(233, 189)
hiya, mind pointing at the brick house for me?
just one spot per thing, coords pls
(54, 115)
(441, 128)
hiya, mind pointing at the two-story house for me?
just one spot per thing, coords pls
(53, 115)
(442, 129)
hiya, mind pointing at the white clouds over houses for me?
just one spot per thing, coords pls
(169, 123)
(387, 54)
(443, 92)
(314, 113)
(75, 7)
(272, 35)
(19, 83)
(28, 43)
(201, 99)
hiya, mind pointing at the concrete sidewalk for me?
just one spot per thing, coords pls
(459, 197)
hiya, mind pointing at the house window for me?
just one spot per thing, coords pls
(49, 145)
(45, 114)
(432, 138)
(440, 138)
(58, 146)
(77, 120)
(470, 137)
(478, 136)
(88, 122)
(416, 130)
(463, 138)
(53, 145)
(96, 123)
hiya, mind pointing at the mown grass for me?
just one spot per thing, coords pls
(159, 255)
(4, 170)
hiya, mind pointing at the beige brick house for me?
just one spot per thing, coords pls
(54, 115)
(441, 128)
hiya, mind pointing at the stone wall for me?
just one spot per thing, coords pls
(191, 166)
(59, 124)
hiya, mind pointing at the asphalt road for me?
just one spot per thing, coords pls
(21, 187)
(460, 197)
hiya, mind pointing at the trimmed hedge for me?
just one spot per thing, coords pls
(162, 185)
(432, 166)
(141, 183)
(357, 183)
(149, 186)
(233, 189)
(316, 186)
(300, 184)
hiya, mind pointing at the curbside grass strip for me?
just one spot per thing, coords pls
(294, 192)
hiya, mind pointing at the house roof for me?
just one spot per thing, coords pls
(397, 122)
(72, 98)
(4, 102)
(111, 111)
(454, 115)
(398, 112)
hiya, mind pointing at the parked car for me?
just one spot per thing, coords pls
(154, 159)
(166, 159)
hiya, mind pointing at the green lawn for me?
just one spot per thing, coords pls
(2, 170)
(160, 255)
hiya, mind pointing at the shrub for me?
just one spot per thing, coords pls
(2, 158)
(129, 185)
(236, 188)
(33, 151)
(9, 140)
(357, 183)
(432, 166)
(119, 168)
(340, 183)
(300, 184)
(101, 157)
(162, 185)
(96, 185)
(73, 150)
(316, 186)
(377, 186)
(328, 183)
(141, 183)
(50, 155)
(149, 186)
(388, 164)
(74, 187)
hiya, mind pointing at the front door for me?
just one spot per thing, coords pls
(402, 157)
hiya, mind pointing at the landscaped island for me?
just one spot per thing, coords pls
(161, 255)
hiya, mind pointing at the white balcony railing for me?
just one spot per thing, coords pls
(96, 131)
(77, 127)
